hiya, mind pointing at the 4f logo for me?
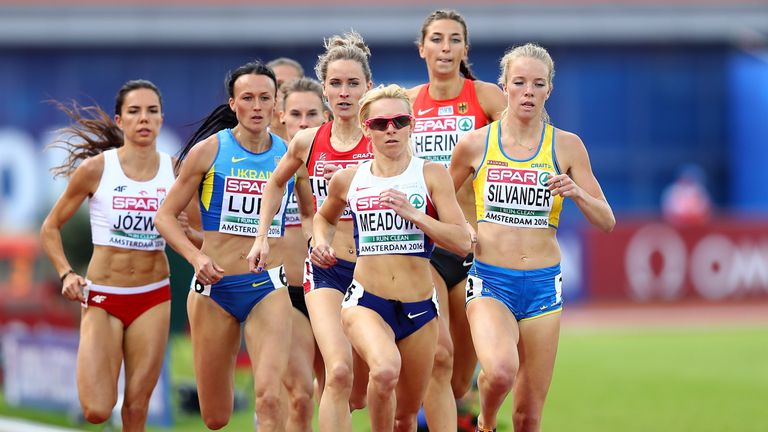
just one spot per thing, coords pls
(120, 188)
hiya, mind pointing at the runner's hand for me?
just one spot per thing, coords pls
(257, 257)
(72, 287)
(206, 270)
(323, 256)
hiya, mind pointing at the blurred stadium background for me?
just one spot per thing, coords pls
(654, 88)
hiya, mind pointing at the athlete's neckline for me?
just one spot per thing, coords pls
(535, 153)
(463, 84)
(154, 177)
(407, 166)
(239, 144)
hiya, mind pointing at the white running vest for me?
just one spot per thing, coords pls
(377, 228)
(123, 210)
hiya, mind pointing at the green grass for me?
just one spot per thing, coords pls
(615, 380)
(660, 380)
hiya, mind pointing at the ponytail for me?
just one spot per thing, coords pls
(222, 117)
(92, 132)
(466, 70)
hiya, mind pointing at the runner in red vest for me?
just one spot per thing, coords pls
(346, 76)
(451, 104)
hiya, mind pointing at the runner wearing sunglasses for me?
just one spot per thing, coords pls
(451, 104)
(346, 75)
(389, 310)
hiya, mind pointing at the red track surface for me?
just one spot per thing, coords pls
(664, 315)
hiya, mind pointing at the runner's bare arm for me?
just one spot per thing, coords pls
(194, 168)
(449, 230)
(465, 156)
(295, 157)
(83, 183)
(579, 183)
(327, 217)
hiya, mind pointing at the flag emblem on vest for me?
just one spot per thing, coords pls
(463, 107)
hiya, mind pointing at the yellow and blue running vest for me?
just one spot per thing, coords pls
(513, 192)
(231, 191)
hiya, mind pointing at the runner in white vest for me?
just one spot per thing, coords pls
(125, 294)
(389, 310)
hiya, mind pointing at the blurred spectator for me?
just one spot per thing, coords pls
(686, 200)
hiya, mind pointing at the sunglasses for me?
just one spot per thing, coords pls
(382, 123)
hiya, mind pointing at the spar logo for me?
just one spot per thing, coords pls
(369, 203)
(320, 165)
(244, 186)
(466, 124)
(544, 177)
(416, 200)
(135, 203)
(436, 124)
(511, 175)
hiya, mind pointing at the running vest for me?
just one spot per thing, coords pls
(321, 153)
(231, 191)
(513, 192)
(123, 211)
(440, 123)
(378, 229)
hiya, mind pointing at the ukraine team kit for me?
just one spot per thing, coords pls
(230, 201)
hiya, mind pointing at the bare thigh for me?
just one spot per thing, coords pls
(144, 345)
(298, 377)
(494, 333)
(324, 306)
(215, 344)
(464, 356)
(416, 353)
(99, 357)
(268, 339)
(538, 349)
